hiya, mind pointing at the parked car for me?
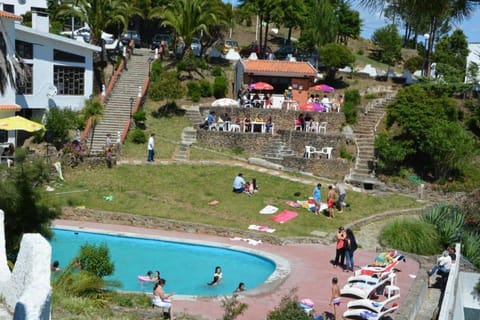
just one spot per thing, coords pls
(158, 38)
(196, 47)
(295, 52)
(83, 34)
(132, 34)
(254, 47)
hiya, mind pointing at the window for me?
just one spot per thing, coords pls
(3, 136)
(10, 8)
(24, 49)
(69, 80)
(27, 86)
(59, 55)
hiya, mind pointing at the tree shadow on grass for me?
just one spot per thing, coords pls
(168, 110)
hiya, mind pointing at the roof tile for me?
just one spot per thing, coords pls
(8, 15)
(291, 67)
(9, 107)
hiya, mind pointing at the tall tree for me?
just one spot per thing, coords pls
(349, 22)
(453, 51)
(390, 43)
(320, 25)
(189, 18)
(290, 14)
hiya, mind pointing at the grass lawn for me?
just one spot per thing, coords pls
(182, 192)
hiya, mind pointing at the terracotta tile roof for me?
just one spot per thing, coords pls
(9, 107)
(294, 68)
(8, 15)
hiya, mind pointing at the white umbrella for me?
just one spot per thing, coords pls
(224, 102)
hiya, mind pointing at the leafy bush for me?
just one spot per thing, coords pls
(140, 116)
(220, 87)
(448, 220)
(233, 307)
(471, 250)
(350, 106)
(360, 52)
(59, 122)
(194, 90)
(414, 63)
(168, 87)
(138, 136)
(411, 235)
(344, 154)
(205, 88)
(156, 70)
(190, 64)
(96, 259)
(289, 309)
(217, 71)
(390, 154)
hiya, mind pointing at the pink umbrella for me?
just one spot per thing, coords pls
(322, 87)
(260, 86)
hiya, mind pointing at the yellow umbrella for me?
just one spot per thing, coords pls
(20, 123)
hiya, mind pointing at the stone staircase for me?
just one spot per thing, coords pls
(194, 116)
(189, 136)
(277, 150)
(117, 108)
(363, 173)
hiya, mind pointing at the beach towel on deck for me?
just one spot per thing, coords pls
(261, 228)
(284, 216)
(269, 210)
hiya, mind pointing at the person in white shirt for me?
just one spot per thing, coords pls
(151, 148)
(326, 102)
(444, 263)
(239, 184)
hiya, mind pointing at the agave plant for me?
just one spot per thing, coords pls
(471, 250)
(449, 221)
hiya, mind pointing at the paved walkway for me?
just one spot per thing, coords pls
(311, 272)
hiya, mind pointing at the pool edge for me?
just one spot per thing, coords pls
(279, 275)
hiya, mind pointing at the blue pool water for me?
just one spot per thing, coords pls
(186, 267)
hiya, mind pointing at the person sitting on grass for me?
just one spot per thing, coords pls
(239, 184)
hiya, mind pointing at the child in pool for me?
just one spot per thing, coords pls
(217, 276)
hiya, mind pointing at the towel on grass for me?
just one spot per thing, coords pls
(284, 216)
(261, 228)
(269, 210)
(213, 202)
(292, 204)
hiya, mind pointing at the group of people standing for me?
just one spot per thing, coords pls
(332, 200)
(345, 248)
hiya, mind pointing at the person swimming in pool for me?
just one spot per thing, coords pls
(335, 298)
(217, 276)
(241, 287)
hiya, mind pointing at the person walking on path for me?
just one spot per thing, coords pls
(340, 248)
(331, 196)
(124, 56)
(317, 197)
(340, 188)
(350, 247)
(335, 298)
(151, 148)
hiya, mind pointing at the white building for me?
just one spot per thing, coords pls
(20, 7)
(473, 56)
(60, 70)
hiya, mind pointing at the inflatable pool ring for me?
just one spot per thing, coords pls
(144, 278)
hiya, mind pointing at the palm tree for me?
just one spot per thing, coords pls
(189, 17)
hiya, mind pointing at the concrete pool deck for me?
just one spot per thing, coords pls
(310, 272)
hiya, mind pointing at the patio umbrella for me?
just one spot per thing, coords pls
(260, 86)
(20, 123)
(322, 87)
(309, 106)
(224, 102)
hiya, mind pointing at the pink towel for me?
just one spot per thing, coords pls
(293, 204)
(284, 216)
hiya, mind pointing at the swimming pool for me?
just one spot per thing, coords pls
(187, 267)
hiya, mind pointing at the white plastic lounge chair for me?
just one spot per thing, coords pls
(373, 279)
(372, 270)
(367, 314)
(362, 290)
(375, 306)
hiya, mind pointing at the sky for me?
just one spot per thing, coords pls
(372, 21)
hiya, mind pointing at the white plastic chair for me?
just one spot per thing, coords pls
(234, 127)
(309, 152)
(322, 127)
(392, 288)
(327, 151)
